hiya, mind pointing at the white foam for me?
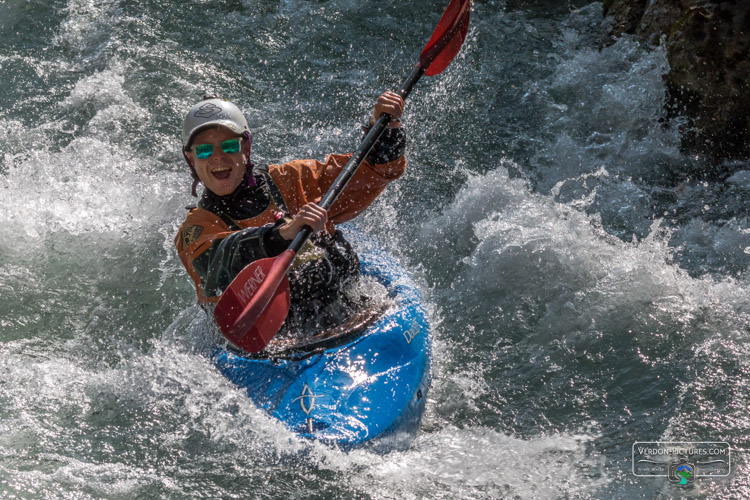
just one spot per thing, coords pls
(522, 247)
(88, 187)
(94, 185)
(103, 95)
(87, 24)
(478, 462)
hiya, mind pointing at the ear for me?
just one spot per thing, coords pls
(188, 158)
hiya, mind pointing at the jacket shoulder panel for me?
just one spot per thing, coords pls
(199, 225)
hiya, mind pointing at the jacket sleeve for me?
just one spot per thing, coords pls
(304, 181)
(216, 254)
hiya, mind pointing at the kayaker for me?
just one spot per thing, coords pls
(249, 212)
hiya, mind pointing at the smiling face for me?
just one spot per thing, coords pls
(221, 172)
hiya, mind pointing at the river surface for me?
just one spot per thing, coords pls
(586, 281)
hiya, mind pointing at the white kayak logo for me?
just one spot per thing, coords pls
(307, 399)
(412, 332)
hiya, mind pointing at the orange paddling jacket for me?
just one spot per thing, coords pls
(223, 234)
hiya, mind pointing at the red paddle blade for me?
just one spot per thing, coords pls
(254, 306)
(447, 38)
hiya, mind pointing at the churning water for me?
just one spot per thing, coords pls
(586, 283)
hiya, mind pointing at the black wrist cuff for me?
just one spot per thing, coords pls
(390, 147)
(274, 242)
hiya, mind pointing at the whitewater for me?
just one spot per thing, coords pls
(587, 285)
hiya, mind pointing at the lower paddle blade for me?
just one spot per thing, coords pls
(267, 324)
(447, 38)
(255, 304)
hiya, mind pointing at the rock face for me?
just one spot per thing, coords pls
(708, 47)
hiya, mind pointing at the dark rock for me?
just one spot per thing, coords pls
(624, 16)
(708, 48)
(659, 17)
(545, 6)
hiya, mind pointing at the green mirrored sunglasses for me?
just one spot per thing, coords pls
(229, 146)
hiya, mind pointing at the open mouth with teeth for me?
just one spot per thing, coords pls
(222, 172)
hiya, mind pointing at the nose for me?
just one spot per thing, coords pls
(218, 154)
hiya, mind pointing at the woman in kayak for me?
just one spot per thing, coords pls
(249, 212)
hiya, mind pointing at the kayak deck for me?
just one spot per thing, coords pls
(369, 388)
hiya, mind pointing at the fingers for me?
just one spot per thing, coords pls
(312, 215)
(390, 103)
(309, 215)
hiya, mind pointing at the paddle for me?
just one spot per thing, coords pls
(255, 304)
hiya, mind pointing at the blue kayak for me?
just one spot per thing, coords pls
(367, 387)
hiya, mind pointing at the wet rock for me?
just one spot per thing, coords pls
(623, 16)
(708, 47)
(659, 17)
(545, 6)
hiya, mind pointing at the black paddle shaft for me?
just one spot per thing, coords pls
(358, 157)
